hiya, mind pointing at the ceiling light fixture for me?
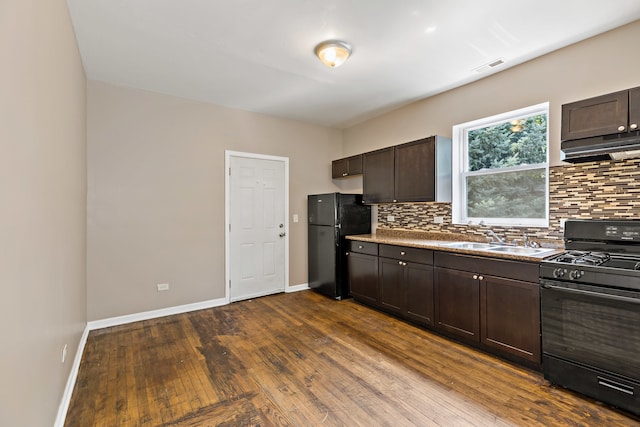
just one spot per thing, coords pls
(333, 53)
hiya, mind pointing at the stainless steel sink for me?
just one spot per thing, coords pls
(519, 250)
(496, 248)
(469, 245)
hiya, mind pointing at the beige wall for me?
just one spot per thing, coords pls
(156, 194)
(42, 208)
(599, 65)
(156, 183)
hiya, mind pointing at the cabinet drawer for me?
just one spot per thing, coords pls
(363, 247)
(423, 256)
(517, 270)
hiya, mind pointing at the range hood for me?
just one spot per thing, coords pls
(616, 147)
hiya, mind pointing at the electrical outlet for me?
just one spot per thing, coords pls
(562, 221)
(162, 287)
(391, 218)
(64, 353)
(438, 220)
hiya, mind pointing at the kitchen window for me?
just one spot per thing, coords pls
(501, 169)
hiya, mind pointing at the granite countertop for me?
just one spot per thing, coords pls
(438, 241)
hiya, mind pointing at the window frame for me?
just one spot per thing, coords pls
(460, 169)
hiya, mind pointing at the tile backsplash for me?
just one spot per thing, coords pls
(594, 190)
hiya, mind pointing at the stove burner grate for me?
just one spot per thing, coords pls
(583, 258)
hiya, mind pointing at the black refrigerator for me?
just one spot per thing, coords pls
(332, 216)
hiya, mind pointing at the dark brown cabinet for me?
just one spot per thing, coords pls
(457, 296)
(362, 262)
(451, 293)
(378, 168)
(510, 317)
(349, 166)
(614, 113)
(414, 171)
(391, 278)
(500, 311)
(405, 277)
(419, 293)
(418, 171)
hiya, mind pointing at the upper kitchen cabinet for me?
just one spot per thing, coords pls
(417, 171)
(349, 166)
(634, 109)
(378, 176)
(609, 114)
(414, 162)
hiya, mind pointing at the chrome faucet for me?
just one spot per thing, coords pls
(528, 243)
(493, 236)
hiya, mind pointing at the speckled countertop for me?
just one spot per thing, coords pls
(437, 241)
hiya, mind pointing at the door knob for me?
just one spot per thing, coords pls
(282, 234)
(281, 226)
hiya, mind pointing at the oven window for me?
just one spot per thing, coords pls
(600, 331)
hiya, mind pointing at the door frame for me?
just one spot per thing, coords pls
(227, 213)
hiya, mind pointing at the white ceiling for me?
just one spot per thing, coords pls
(257, 55)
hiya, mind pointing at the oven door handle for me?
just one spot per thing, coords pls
(592, 294)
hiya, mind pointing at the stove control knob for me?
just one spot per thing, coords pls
(575, 274)
(559, 272)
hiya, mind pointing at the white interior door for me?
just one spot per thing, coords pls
(257, 227)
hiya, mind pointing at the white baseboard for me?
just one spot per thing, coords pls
(153, 314)
(296, 288)
(71, 381)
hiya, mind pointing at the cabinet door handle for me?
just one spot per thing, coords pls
(360, 246)
(480, 278)
(633, 126)
(621, 128)
(403, 253)
(399, 262)
(346, 253)
(475, 277)
(344, 174)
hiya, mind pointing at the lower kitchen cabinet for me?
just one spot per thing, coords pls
(363, 272)
(406, 289)
(510, 317)
(405, 277)
(457, 297)
(419, 293)
(452, 294)
(391, 279)
(500, 311)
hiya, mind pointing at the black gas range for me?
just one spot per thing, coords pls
(590, 311)
(601, 268)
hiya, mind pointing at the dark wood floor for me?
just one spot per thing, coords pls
(301, 359)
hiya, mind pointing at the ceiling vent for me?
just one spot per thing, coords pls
(488, 66)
